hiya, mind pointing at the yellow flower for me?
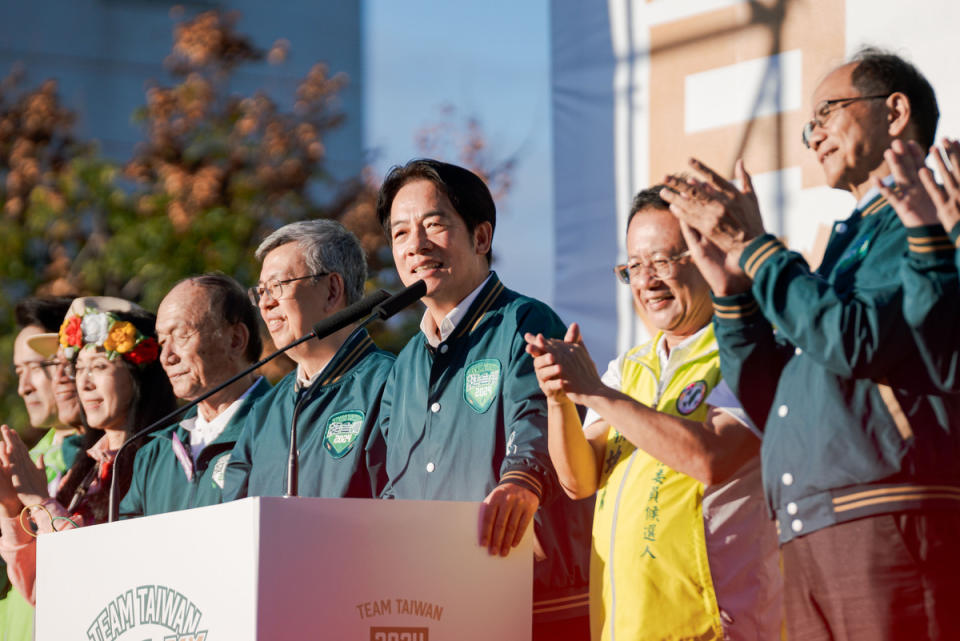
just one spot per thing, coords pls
(121, 338)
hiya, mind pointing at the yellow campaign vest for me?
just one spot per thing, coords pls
(649, 574)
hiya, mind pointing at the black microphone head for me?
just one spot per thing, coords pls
(400, 300)
(349, 314)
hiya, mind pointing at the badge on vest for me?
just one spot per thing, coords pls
(219, 473)
(481, 382)
(691, 397)
(343, 428)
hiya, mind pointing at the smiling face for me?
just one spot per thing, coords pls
(195, 352)
(303, 302)
(35, 379)
(105, 388)
(850, 143)
(679, 306)
(431, 242)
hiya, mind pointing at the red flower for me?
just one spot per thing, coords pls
(71, 331)
(146, 351)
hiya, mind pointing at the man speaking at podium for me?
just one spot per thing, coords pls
(463, 417)
(311, 270)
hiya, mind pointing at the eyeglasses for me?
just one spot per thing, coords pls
(825, 108)
(69, 369)
(662, 267)
(275, 287)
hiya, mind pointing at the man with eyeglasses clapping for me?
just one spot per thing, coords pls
(860, 447)
(682, 546)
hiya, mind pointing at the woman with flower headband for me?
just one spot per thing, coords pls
(113, 350)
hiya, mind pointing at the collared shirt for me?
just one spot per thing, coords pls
(305, 381)
(429, 327)
(873, 192)
(204, 432)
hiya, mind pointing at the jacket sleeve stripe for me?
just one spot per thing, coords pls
(761, 255)
(735, 311)
(896, 499)
(898, 491)
(524, 479)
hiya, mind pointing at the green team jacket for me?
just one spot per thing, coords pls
(460, 419)
(933, 314)
(160, 482)
(855, 424)
(334, 420)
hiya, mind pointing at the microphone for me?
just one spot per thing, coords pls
(383, 308)
(400, 300)
(352, 313)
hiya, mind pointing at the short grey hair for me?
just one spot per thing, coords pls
(327, 246)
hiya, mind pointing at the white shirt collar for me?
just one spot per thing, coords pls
(304, 382)
(204, 432)
(872, 192)
(679, 348)
(429, 327)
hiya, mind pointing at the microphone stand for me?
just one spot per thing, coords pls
(320, 330)
(383, 311)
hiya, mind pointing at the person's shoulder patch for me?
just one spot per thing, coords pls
(481, 382)
(691, 397)
(342, 431)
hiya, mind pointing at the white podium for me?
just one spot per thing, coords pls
(271, 569)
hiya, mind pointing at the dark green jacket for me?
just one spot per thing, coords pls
(160, 483)
(934, 312)
(854, 425)
(334, 420)
(469, 415)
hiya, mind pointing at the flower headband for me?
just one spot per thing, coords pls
(115, 336)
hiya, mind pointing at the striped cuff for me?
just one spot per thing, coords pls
(929, 243)
(955, 234)
(737, 307)
(758, 252)
(524, 478)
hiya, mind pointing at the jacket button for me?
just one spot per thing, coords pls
(435, 408)
(791, 508)
(840, 227)
(798, 351)
(796, 525)
(444, 348)
(782, 411)
(431, 467)
(787, 478)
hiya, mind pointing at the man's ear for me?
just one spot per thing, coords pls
(483, 237)
(239, 338)
(335, 291)
(898, 114)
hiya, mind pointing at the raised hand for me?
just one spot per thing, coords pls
(564, 368)
(727, 216)
(909, 195)
(720, 269)
(946, 198)
(29, 480)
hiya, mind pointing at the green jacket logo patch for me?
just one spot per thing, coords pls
(343, 428)
(219, 473)
(481, 382)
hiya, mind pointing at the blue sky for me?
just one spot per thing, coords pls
(489, 60)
